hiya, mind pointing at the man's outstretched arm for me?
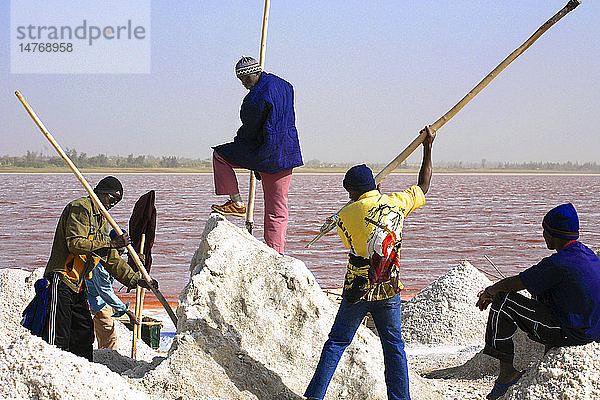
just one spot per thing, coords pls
(426, 167)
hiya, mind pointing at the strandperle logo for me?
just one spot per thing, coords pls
(85, 31)
(80, 37)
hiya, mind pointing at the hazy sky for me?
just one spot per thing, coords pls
(367, 76)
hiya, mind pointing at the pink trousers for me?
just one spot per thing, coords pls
(275, 191)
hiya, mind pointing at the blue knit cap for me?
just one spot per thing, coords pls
(562, 222)
(359, 179)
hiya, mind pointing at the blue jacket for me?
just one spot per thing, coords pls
(569, 282)
(267, 141)
(101, 293)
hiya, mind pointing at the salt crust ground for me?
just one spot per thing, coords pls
(451, 368)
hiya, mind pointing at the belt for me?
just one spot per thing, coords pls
(358, 261)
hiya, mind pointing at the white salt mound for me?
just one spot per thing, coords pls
(564, 373)
(252, 324)
(190, 373)
(32, 369)
(444, 312)
(16, 291)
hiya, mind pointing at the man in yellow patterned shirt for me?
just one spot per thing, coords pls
(371, 227)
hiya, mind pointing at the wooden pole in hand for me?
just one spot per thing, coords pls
(252, 185)
(454, 110)
(99, 204)
(141, 311)
(139, 300)
(135, 330)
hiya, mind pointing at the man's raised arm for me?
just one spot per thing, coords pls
(426, 167)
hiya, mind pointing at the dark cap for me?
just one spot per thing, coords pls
(359, 179)
(110, 185)
(562, 222)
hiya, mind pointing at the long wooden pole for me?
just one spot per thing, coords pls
(139, 300)
(99, 204)
(134, 336)
(252, 185)
(140, 313)
(327, 226)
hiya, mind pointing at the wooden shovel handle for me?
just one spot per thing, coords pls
(137, 329)
(252, 184)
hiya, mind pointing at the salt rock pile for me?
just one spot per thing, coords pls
(563, 373)
(16, 291)
(32, 369)
(444, 312)
(252, 324)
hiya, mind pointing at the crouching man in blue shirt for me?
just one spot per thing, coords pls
(105, 305)
(565, 308)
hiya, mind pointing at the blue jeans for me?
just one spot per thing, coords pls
(386, 314)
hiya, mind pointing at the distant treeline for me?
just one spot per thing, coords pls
(526, 166)
(82, 160)
(482, 165)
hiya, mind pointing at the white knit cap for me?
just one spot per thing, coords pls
(247, 66)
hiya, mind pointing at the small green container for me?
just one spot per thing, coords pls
(151, 333)
(150, 330)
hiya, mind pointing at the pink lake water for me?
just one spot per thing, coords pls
(466, 217)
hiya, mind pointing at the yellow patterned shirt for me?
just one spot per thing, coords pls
(362, 237)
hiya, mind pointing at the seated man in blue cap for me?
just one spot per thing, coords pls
(565, 308)
(371, 227)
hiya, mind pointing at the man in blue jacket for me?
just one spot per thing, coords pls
(565, 310)
(266, 143)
